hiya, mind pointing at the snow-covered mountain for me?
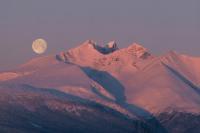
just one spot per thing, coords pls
(120, 86)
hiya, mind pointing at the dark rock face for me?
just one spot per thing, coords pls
(17, 119)
(180, 122)
(25, 109)
(32, 110)
(107, 49)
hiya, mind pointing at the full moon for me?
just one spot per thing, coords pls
(39, 46)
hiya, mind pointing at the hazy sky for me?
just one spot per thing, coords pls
(160, 25)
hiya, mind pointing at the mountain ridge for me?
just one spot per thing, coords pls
(131, 81)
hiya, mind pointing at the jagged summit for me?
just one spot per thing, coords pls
(137, 47)
(90, 52)
(138, 50)
(92, 45)
(88, 44)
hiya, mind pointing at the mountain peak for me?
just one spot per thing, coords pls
(137, 47)
(103, 49)
(88, 44)
(138, 50)
(92, 42)
(89, 50)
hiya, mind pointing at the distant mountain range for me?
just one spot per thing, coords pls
(102, 89)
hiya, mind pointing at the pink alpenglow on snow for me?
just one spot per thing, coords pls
(131, 81)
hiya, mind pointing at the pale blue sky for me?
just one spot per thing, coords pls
(160, 25)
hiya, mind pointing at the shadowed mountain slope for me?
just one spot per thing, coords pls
(102, 89)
